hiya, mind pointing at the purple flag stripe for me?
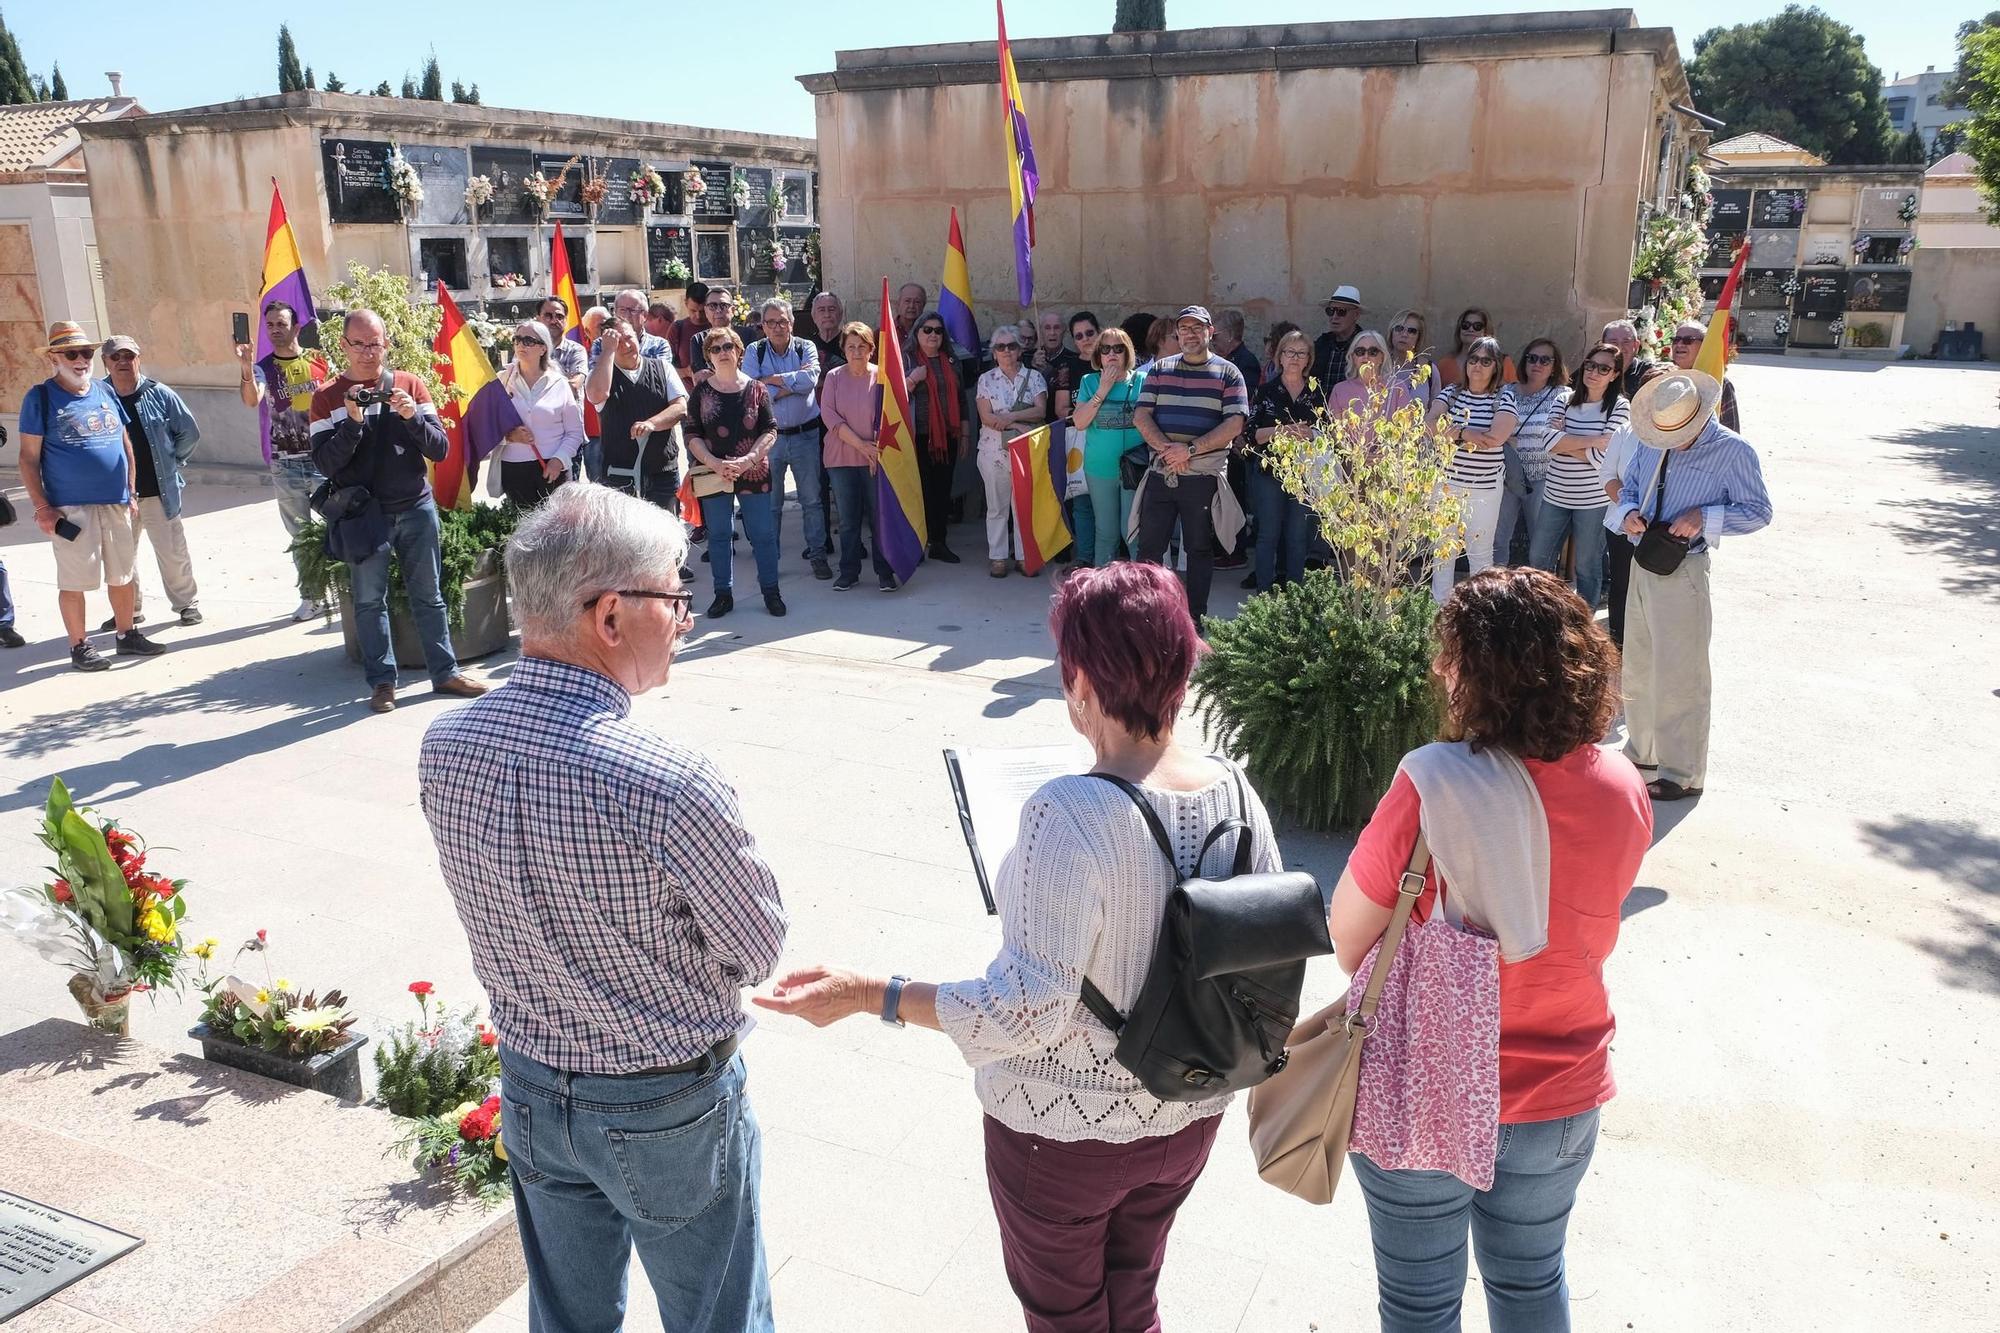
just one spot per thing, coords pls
(893, 532)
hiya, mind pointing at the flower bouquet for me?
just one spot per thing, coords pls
(508, 281)
(277, 1029)
(403, 181)
(464, 1143)
(674, 273)
(693, 182)
(595, 187)
(115, 925)
(443, 1059)
(478, 193)
(648, 187)
(539, 189)
(739, 191)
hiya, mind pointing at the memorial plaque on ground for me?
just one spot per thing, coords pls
(1882, 210)
(1821, 292)
(357, 181)
(1774, 249)
(1887, 290)
(664, 245)
(1731, 213)
(1767, 288)
(43, 1250)
(713, 202)
(567, 202)
(617, 209)
(506, 168)
(1778, 208)
(443, 171)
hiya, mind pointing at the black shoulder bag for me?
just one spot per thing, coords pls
(1660, 551)
(1222, 993)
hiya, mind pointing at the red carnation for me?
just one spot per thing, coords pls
(489, 1038)
(417, 988)
(62, 891)
(477, 1125)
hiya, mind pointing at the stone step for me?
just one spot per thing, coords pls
(261, 1205)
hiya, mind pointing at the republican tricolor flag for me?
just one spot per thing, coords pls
(476, 407)
(1022, 177)
(955, 294)
(284, 279)
(900, 532)
(1039, 462)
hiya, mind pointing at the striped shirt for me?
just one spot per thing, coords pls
(614, 902)
(1574, 482)
(1717, 474)
(1473, 469)
(1189, 399)
(1533, 409)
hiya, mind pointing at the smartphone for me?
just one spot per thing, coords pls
(67, 530)
(239, 327)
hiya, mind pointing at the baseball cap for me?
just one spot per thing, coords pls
(1199, 312)
(119, 342)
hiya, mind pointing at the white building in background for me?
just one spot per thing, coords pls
(1916, 101)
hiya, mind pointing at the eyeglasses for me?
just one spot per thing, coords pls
(1295, 351)
(1342, 309)
(1540, 358)
(681, 602)
(720, 349)
(1006, 347)
(1599, 367)
(527, 342)
(1480, 360)
(123, 356)
(1472, 325)
(1370, 353)
(931, 331)
(719, 305)
(1410, 329)
(1687, 339)
(77, 353)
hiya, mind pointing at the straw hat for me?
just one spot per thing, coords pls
(65, 336)
(1670, 410)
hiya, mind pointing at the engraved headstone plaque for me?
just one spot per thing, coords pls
(1821, 292)
(758, 214)
(663, 246)
(357, 181)
(1767, 288)
(1731, 213)
(1882, 210)
(566, 203)
(1721, 252)
(1764, 330)
(1778, 208)
(618, 208)
(507, 168)
(714, 201)
(443, 171)
(1774, 249)
(796, 273)
(1885, 290)
(1815, 330)
(43, 1250)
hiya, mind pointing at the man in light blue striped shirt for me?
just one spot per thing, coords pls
(1703, 481)
(789, 368)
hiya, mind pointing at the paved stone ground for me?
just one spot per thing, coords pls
(1807, 989)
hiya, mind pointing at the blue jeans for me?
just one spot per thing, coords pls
(593, 458)
(1083, 530)
(669, 1163)
(801, 455)
(413, 536)
(854, 492)
(6, 597)
(1551, 524)
(1518, 507)
(718, 514)
(295, 479)
(1281, 521)
(1418, 1221)
(1108, 506)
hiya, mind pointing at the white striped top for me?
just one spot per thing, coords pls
(1533, 408)
(1473, 469)
(1575, 483)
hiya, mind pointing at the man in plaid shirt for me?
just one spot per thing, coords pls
(616, 908)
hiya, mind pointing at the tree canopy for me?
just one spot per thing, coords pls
(58, 90)
(1958, 92)
(16, 87)
(1799, 75)
(1140, 16)
(1979, 57)
(291, 74)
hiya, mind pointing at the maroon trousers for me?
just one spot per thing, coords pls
(1083, 1226)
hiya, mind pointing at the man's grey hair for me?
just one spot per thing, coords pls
(1625, 325)
(638, 296)
(1694, 324)
(1230, 322)
(775, 303)
(838, 304)
(582, 541)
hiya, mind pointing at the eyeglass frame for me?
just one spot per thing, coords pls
(682, 600)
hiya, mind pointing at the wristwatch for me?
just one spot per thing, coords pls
(892, 1000)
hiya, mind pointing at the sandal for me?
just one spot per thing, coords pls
(1661, 789)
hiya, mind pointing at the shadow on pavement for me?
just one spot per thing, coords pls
(1963, 857)
(1642, 897)
(1960, 528)
(1670, 815)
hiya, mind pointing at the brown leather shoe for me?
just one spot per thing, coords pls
(465, 687)
(382, 699)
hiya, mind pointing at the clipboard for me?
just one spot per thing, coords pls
(989, 788)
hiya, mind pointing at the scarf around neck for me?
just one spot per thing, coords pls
(945, 418)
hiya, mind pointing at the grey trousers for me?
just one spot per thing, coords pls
(1667, 687)
(170, 548)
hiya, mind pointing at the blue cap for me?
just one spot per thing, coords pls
(1199, 312)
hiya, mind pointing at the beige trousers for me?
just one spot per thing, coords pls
(170, 548)
(1667, 686)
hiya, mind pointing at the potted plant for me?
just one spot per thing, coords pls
(114, 924)
(1322, 686)
(444, 1059)
(471, 545)
(278, 1030)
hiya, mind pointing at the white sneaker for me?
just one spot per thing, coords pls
(307, 610)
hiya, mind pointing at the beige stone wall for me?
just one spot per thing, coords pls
(1958, 285)
(22, 329)
(1509, 183)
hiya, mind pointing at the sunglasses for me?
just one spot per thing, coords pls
(931, 331)
(77, 353)
(1342, 310)
(1410, 329)
(1479, 361)
(1006, 347)
(1687, 340)
(720, 349)
(682, 603)
(123, 356)
(527, 342)
(1599, 367)
(1473, 325)
(1540, 358)
(1368, 353)
(1114, 351)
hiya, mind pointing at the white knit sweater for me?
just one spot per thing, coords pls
(1083, 892)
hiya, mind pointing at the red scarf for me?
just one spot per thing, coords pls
(945, 415)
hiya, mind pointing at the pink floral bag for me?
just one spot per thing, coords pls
(1428, 1097)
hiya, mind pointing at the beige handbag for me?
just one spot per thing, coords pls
(705, 481)
(1301, 1117)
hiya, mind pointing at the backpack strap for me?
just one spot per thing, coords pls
(1151, 817)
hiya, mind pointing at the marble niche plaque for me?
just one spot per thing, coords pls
(1778, 208)
(357, 180)
(1731, 214)
(443, 171)
(1884, 290)
(1774, 249)
(43, 1250)
(506, 168)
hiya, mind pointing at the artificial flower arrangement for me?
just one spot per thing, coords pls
(774, 199)
(102, 914)
(739, 190)
(595, 187)
(464, 1144)
(403, 180)
(674, 273)
(648, 187)
(509, 280)
(478, 191)
(275, 1016)
(445, 1058)
(693, 182)
(540, 189)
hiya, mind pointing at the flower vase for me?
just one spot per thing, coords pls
(102, 1012)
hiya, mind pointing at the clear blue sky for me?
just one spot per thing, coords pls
(185, 54)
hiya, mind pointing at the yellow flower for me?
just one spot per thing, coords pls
(263, 997)
(204, 951)
(156, 926)
(283, 984)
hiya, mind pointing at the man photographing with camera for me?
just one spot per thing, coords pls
(373, 432)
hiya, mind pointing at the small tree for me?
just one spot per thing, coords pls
(1948, 141)
(309, 77)
(1909, 150)
(411, 327)
(333, 83)
(15, 86)
(472, 97)
(291, 75)
(383, 89)
(409, 87)
(458, 92)
(1322, 686)
(433, 85)
(58, 90)
(1140, 16)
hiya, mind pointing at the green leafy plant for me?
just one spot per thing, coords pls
(673, 273)
(464, 1144)
(1669, 263)
(441, 1061)
(275, 1016)
(1869, 335)
(412, 327)
(464, 537)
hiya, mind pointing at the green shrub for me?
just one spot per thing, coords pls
(1322, 688)
(463, 536)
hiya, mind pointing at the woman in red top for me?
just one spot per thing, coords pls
(1525, 670)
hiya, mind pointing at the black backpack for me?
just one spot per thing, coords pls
(1222, 993)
